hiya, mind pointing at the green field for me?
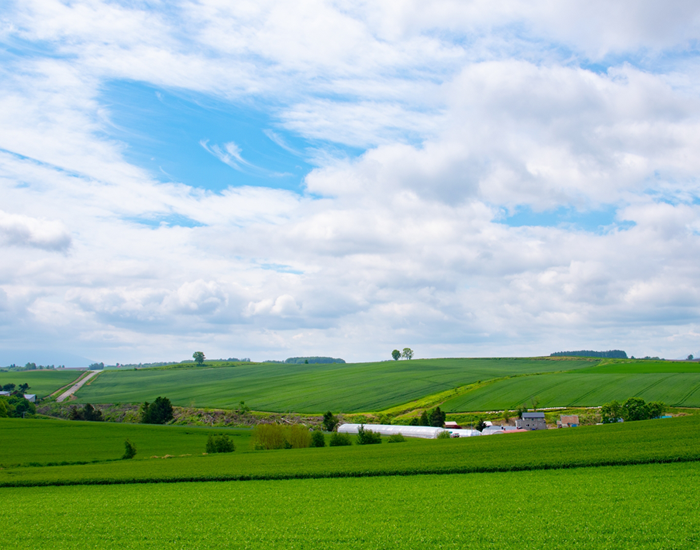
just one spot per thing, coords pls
(41, 382)
(308, 388)
(54, 441)
(622, 366)
(675, 439)
(631, 507)
(584, 388)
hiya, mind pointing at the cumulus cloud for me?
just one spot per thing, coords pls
(451, 116)
(25, 231)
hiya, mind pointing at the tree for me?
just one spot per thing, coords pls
(23, 388)
(690, 357)
(506, 416)
(407, 353)
(656, 409)
(198, 357)
(437, 418)
(4, 408)
(611, 412)
(318, 439)
(329, 421)
(424, 420)
(97, 366)
(480, 425)
(129, 450)
(158, 412)
(414, 422)
(396, 354)
(634, 409)
(9, 387)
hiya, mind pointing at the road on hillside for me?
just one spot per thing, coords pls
(75, 387)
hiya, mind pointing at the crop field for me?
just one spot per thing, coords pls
(54, 441)
(308, 388)
(580, 389)
(669, 440)
(41, 382)
(645, 367)
(648, 507)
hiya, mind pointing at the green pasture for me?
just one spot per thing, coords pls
(669, 440)
(581, 389)
(25, 441)
(41, 382)
(629, 367)
(648, 507)
(308, 388)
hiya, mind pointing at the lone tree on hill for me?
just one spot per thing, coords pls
(198, 357)
(396, 354)
(407, 353)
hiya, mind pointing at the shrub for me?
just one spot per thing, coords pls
(268, 436)
(220, 444)
(339, 440)
(414, 422)
(367, 437)
(480, 425)
(396, 438)
(5, 410)
(298, 436)
(444, 435)
(318, 439)
(129, 450)
(88, 412)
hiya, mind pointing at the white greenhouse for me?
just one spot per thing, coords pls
(464, 433)
(388, 429)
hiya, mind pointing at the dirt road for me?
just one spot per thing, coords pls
(75, 387)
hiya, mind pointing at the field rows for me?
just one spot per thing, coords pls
(650, 507)
(41, 382)
(630, 443)
(308, 388)
(581, 389)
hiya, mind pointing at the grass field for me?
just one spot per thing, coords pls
(641, 367)
(54, 441)
(675, 439)
(308, 388)
(649, 507)
(41, 382)
(588, 387)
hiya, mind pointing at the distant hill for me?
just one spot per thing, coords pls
(612, 354)
(311, 360)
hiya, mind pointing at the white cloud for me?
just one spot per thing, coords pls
(463, 110)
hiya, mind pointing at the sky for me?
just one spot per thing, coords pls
(271, 179)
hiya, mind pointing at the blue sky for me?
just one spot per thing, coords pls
(466, 179)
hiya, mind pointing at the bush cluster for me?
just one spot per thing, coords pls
(129, 450)
(435, 418)
(15, 406)
(396, 438)
(220, 444)
(158, 412)
(318, 439)
(632, 409)
(367, 437)
(88, 412)
(275, 436)
(339, 440)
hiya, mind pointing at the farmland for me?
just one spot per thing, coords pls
(309, 388)
(631, 443)
(633, 507)
(54, 441)
(587, 387)
(41, 382)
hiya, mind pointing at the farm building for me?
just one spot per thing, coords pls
(30, 397)
(424, 432)
(532, 421)
(567, 421)
(452, 426)
(5, 393)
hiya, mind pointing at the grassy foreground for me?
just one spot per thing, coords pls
(675, 383)
(631, 443)
(308, 388)
(649, 507)
(43, 442)
(41, 382)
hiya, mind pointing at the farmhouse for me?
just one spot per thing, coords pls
(532, 421)
(567, 421)
(452, 426)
